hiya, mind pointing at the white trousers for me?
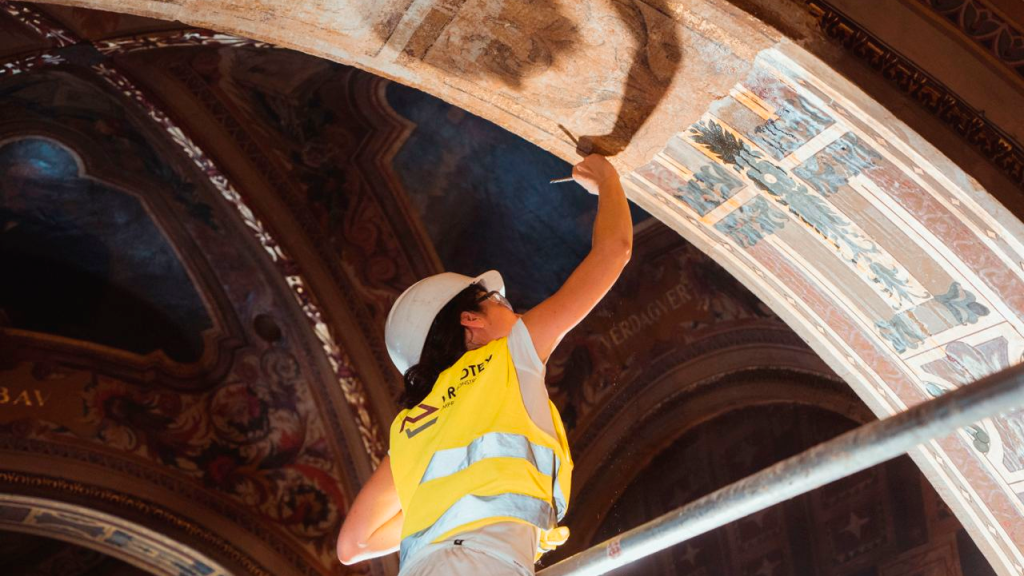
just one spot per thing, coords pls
(504, 549)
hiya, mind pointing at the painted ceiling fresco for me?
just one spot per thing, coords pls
(148, 345)
(885, 521)
(671, 304)
(300, 197)
(911, 278)
(250, 437)
(454, 172)
(319, 136)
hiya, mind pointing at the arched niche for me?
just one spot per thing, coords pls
(632, 431)
(899, 268)
(885, 520)
(57, 178)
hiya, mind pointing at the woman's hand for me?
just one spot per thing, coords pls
(593, 172)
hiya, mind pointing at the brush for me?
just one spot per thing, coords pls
(576, 143)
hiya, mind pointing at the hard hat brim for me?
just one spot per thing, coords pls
(410, 318)
(491, 280)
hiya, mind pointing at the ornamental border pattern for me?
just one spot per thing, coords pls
(352, 388)
(147, 509)
(986, 28)
(992, 143)
(225, 508)
(190, 37)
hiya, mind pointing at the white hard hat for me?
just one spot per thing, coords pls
(410, 318)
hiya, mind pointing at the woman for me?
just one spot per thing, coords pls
(478, 471)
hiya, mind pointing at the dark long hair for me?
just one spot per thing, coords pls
(445, 344)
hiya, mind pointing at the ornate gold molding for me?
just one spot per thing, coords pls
(995, 145)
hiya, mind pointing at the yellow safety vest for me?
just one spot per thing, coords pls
(469, 455)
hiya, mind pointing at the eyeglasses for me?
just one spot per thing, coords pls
(497, 298)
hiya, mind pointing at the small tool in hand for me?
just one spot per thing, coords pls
(575, 143)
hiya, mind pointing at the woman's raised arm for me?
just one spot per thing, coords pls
(609, 253)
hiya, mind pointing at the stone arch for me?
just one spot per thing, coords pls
(99, 519)
(901, 269)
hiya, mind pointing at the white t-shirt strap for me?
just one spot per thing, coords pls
(530, 371)
(520, 345)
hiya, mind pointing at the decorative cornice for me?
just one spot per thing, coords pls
(972, 125)
(984, 27)
(174, 38)
(29, 62)
(41, 24)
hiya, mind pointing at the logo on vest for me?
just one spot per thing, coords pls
(469, 375)
(412, 420)
(475, 370)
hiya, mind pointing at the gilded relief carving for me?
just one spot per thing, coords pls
(971, 124)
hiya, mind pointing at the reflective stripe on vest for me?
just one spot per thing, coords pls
(472, 508)
(498, 445)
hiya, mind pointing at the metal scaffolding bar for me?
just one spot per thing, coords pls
(838, 458)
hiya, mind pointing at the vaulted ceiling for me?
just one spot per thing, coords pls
(208, 231)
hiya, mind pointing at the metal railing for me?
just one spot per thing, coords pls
(838, 458)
